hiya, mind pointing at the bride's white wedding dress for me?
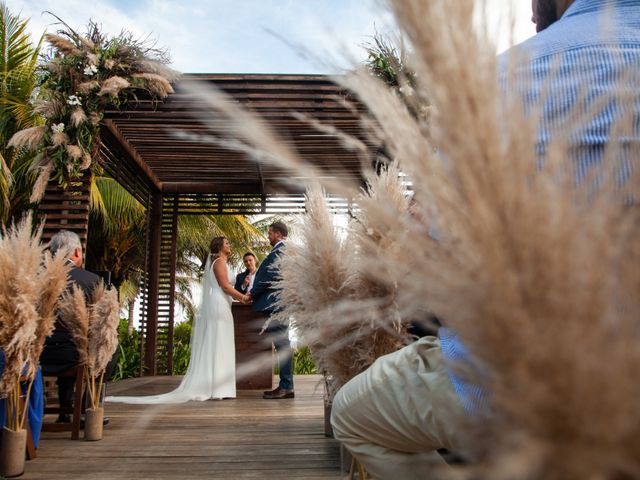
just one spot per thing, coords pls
(212, 365)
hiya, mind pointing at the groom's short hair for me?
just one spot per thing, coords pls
(280, 227)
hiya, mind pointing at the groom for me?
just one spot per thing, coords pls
(264, 297)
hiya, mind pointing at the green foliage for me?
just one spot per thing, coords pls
(387, 62)
(181, 348)
(303, 362)
(18, 80)
(182, 332)
(129, 345)
(181, 355)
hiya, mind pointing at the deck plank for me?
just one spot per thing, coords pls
(245, 438)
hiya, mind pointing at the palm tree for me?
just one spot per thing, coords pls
(18, 80)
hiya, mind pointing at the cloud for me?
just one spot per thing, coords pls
(223, 36)
(243, 36)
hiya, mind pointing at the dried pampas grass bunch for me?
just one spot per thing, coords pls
(84, 75)
(346, 316)
(315, 279)
(539, 274)
(30, 285)
(94, 330)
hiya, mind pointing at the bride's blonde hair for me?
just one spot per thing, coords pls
(216, 246)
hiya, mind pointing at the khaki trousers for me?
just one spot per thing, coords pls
(393, 416)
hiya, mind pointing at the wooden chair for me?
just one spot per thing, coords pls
(75, 411)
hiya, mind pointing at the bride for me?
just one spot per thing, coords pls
(212, 365)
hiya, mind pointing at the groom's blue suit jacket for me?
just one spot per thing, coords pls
(263, 292)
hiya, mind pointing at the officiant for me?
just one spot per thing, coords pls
(244, 280)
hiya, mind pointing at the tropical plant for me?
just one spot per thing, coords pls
(181, 348)
(18, 81)
(388, 62)
(128, 364)
(303, 363)
(181, 356)
(82, 76)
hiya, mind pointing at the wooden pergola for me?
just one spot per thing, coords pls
(173, 174)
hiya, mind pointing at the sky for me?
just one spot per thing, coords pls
(249, 36)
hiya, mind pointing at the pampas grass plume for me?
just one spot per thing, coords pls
(49, 108)
(156, 84)
(52, 283)
(86, 161)
(59, 138)
(87, 87)
(20, 255)
(74, 151)
(62, 44)
(42, 181)
(74, 315)
(113, 85)
(103, 328)
(78, 117)
(92, 58)
(30, 138)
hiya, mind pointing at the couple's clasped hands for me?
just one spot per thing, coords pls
(246, 299)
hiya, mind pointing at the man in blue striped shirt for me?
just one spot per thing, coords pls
(397, 413)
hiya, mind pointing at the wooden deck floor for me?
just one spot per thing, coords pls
(246, 437)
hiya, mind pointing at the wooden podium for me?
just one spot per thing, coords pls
(254, 353)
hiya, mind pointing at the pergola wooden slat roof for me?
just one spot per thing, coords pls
(172, 174)
(148, 133)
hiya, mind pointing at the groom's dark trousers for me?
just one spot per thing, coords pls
(264, 300)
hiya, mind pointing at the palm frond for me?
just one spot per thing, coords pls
(111, 202)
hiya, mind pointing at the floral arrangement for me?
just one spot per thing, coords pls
(31, 282)
(94, 330)
(83, 75)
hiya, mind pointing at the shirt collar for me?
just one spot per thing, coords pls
(578, 7)
(281, 242)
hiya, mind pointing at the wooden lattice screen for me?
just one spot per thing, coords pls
(66, 209)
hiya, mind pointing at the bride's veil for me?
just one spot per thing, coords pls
(206, 309)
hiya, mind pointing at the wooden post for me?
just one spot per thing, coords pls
(172, 283)
(153, 270)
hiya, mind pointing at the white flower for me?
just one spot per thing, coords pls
(90, 70)
(73, 100)
(57, 127)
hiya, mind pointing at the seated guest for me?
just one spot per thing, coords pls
(244, 280)
(395, 415)
(60, 353)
